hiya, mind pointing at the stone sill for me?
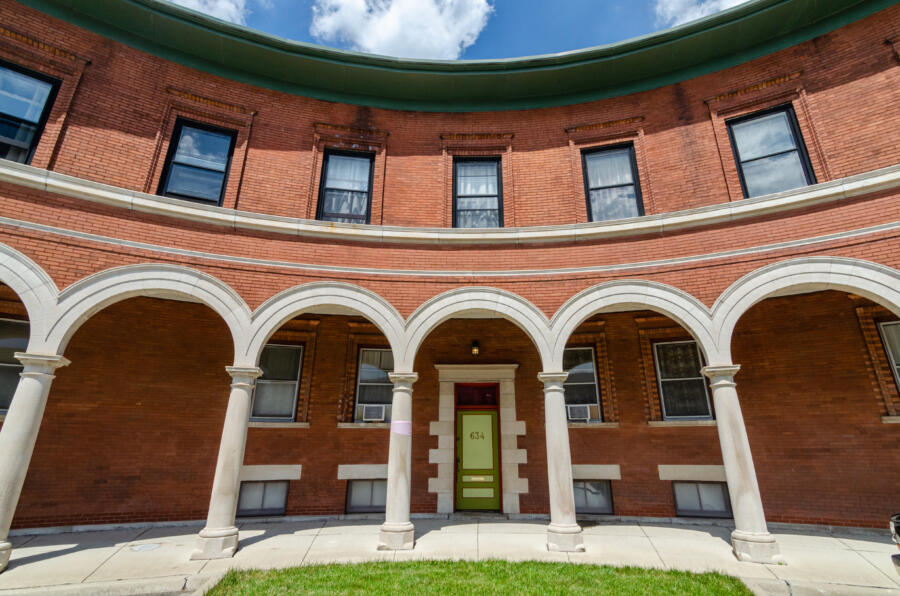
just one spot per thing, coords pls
(884, 419)
(665, 423)
(593, 425)
(364, 425)
(261, 424)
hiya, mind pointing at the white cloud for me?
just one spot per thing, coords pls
(235, 11)
(439, 29)
(675, 12)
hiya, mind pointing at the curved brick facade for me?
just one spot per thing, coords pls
(133, 425)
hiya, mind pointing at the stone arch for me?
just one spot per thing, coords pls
(459, 301)
(33, 286)
(878, 283)
(341, 297)
(676, 304)
(86, 297)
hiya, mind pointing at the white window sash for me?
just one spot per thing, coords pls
(660, 381)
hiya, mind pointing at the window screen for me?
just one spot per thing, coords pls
(682, 386)
(275, 395)
(13, 338)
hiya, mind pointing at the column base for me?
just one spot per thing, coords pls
(397, 537)
(756, 548)
(564, 539)
(5, 552)
(219, 543)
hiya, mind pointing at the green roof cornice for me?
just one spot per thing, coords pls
(719, 41)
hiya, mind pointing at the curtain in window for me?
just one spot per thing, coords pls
(346, 196)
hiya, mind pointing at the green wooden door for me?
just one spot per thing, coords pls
(477, 460)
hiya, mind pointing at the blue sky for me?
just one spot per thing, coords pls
(459, 29)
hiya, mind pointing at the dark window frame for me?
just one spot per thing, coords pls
(498, 160)
(48, 105)
(639, 197)
(298, 383)
(27, 324)
(264, 512)
(371, 508)
(323, 177)
(727, 514)
(788, 109)
(660, 380)
(180, 123)
(893, 359)
(612, 505)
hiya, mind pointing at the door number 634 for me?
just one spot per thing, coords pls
(476, 435)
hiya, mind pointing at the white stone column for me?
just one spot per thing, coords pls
(751, 539)
(19, 434)
(563, 533)
(397, 531)
(219, 539)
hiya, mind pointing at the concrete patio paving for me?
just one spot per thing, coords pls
(156, 560)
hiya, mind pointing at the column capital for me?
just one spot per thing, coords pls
(45, 363)
(243, 374)
(403, 377)
(721, 372)
(553, 377)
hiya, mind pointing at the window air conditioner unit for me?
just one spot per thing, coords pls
(579, 413)
(373, 413)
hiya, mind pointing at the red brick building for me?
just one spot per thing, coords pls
(525, 286)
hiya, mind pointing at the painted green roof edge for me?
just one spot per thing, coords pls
(238, 53)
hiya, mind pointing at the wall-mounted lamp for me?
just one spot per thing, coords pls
(475, 348)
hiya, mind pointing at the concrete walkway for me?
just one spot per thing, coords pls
(156, 560)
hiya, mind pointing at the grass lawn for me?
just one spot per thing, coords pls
(471, 577)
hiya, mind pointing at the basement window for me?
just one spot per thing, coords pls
(582, 394)
(769, 152)
(25, 101)
(611, 183)
(366, 496)
(275, 394)
(197, 162)
(13, 338)
(593, 496)
(890, 335)
(701, 499)
(682, 387)
(263, 498)
(374, 389)
(477, 193)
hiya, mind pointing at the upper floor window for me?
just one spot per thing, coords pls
(582, 394)
(275, 395)
(611, 183)
(345, 194)
(682, 386)
(890, 333)
(477, 193)
(197, 163)
(13, 338)
(769, 152)
(25, 102)
(374, 389)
